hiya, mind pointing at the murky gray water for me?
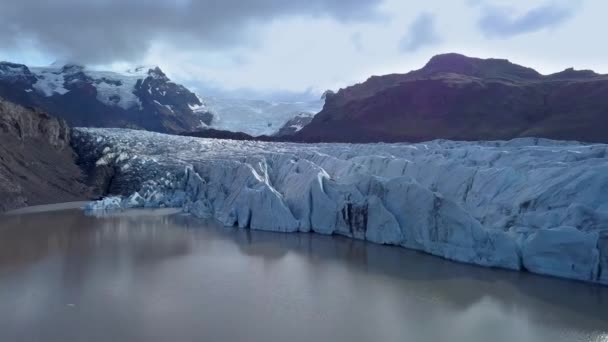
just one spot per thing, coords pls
(156, 277)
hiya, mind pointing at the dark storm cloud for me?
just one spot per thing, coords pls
(421, 33)
(502, 22)
(102, 31)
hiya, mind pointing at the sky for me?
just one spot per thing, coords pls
(294, 50)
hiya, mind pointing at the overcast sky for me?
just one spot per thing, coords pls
(281, 48)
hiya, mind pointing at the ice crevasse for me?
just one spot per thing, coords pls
(526, 204)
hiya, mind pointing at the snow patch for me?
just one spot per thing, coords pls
(297, 127)
(166, 106)
(114, 89)
(50, 81)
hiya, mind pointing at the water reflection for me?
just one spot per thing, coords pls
(142, 277)
(548, 300)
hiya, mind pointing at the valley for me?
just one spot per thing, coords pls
(327, 170)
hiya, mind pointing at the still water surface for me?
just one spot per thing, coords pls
(151, 276)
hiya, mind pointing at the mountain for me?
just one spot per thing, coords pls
(295, 125)
(142, 98)
(37, 164)
(213, 133)
(462, 98)
(285, 133)
(257, 117)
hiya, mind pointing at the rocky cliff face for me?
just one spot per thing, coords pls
(36, 161)
(144, 98)
(462, 98)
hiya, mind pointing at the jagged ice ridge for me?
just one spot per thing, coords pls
(526, 204)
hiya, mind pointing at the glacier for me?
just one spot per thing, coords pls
(257, 117)
(528, 204)
(109, 85)
(126, 90)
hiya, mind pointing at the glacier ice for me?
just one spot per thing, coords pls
(257, 117)
(107, 204)
(526, 204)
(562, 251)
(109, 85)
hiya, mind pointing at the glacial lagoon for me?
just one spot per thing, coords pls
(158, 275)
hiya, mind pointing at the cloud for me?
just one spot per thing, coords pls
(504, 22)
(357, 40)
(105, 31)
(421, 33)
(208, 88)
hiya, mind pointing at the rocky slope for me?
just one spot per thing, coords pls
(143, 98)
(527, 204)
(295, 125)
(36, 161)
(461, 98)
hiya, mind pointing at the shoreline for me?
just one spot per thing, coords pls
(41, 208)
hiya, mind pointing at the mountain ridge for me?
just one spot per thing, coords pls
(140, 99)
(462, 98)
(143, 97)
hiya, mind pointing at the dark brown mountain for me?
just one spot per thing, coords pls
(462, 98)
(228, 135)
(144, 98)
(37, 164)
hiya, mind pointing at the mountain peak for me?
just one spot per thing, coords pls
(450, 57)
(478, 67)
(571, 73)
(451, 62)
(144, 71)
(140, 70)
(60, 63)
(11, 64)
(327, 93)
(72, 68)
(143, 98)
(157, 73)
(8, 67)
(16, 72)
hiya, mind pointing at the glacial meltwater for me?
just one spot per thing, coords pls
(157, 275)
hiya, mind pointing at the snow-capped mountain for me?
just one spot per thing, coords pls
(143, 98)
(257, 117)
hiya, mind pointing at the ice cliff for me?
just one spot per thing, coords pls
(527, 204)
